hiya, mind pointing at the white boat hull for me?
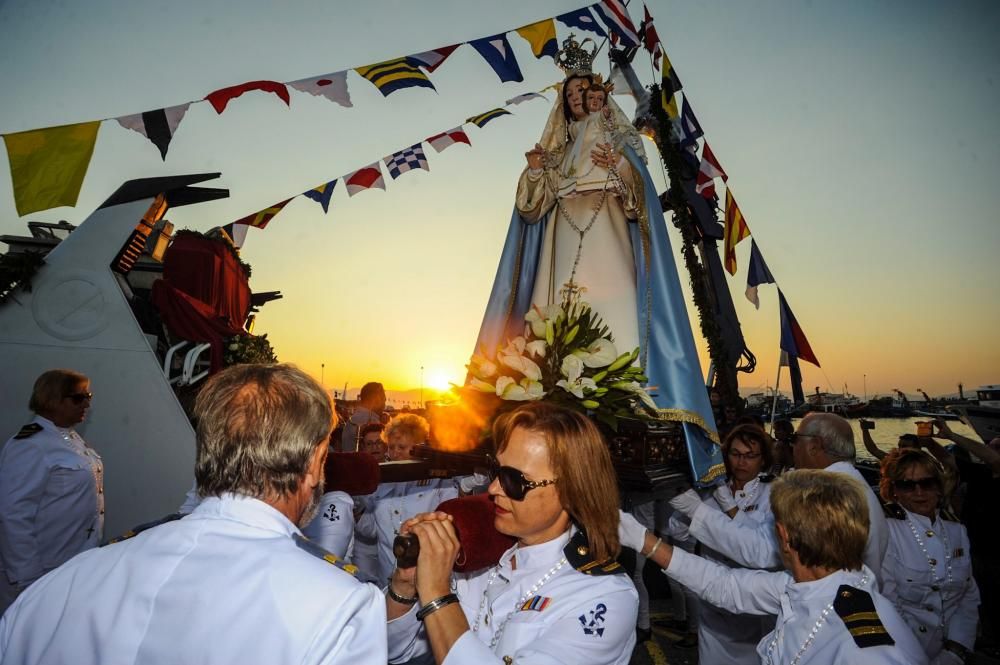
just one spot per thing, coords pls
(985, 420)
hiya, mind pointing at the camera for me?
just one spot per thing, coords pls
(867, 424)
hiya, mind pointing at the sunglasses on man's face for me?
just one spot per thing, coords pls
(515, 485)
(926, 484)
(80, 398)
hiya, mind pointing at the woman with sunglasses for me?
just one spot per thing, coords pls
(51, 485)
(558, 595)
(928, 569)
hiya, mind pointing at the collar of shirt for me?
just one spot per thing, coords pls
(808, 598)
(922, 523)
(847, 468)
(67, 434)
(245, 510)
(536, 557)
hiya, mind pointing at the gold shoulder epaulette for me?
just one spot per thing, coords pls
(28, 430)
(578, 555)
(136, 530)
(856, 609)
(312, 548)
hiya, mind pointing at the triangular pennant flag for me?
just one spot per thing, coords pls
(322, 194)
(736, 230)
(650, 39)
(263, 217)
(158, 126)
(708, 170)
(405, 160)
(615, 16)
(793, 339)
(483, 118)
(47, 166)
(669, 84)
(582, 19)
(332, 86)
(220, 98)
(525, 97)
(689, 129)
(497, 52)
(757, 273)
(365, 178)
(396, 74)
(441, 141)
(542, 37)
(431, 60)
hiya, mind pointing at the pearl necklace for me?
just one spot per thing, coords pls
(482, 616)
(820, 622)
(932, 562)
(747, 496)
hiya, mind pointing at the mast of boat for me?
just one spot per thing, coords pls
(777, 383)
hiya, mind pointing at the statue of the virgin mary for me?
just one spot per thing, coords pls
(587, 221)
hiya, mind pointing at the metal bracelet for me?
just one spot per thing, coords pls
(656, 545)
(435, 605)
(402, 600)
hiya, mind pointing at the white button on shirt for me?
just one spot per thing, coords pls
(225, 585)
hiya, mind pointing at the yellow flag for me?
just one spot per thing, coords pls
(47, 166)
(542, 37)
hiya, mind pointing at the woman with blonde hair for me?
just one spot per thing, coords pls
(558, 595)
(928, 566)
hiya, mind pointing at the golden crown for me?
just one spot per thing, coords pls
(572, 58)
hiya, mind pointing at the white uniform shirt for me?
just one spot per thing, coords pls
(756, 545)
(924, 596)
(394, 503)
(333, 527)
(798, 606)
(226, 584)
(571, 619)
(51, 501)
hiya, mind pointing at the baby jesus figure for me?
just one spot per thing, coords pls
(579, 172)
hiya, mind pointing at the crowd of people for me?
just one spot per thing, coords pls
(792, 559)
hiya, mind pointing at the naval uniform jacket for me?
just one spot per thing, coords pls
(861, 626)
(924, 597)
(233, 583)
(51, 500)
(756, 546)
(583, 615)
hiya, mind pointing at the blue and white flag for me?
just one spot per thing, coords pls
(615, 16)
(496, 50)
(322, 194)
(411, 158)
(757, 273)
(525, 97)
(582, 19)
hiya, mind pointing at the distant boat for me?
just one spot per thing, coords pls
(984, 417)
(847, 405)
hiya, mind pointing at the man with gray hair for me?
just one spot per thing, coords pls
(823, 441)
(233, 582)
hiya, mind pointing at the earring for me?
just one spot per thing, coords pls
(464, 558)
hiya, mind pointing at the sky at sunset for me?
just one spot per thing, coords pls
(860, 138)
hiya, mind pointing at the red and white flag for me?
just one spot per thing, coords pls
(366, 178)
(650, 39)
(332, 86)
(450, 137)
(431, 60)
(708, 171)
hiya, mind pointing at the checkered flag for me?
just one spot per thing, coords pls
(406, 160)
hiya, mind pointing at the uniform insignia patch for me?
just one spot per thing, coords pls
(136, 530)
(856, 609)
(28, 430)
(538, 603)
(593, 621)
(312, 548)
(331, 513)
(578, 555)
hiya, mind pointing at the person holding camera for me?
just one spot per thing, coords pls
(558, 596)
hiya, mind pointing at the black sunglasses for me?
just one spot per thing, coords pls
(513, 482)
(926, 484)
(80, 398)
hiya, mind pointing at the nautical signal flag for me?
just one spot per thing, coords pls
(431, 60)
(497, 52)
(441, 141)
(47, 166)
(514, 101)
(483, 118)
(793, 339)
(364, 178)
(650, 39)
(220, 98)
(405, 160)
(615, 16)
(669, 84)
(263, 218)
(736, 231)
(542, 37)
(583, 20)
(332, 86)
(708, 170)
(396, 74)
(158, 126)
(322, 194)
(757, 273)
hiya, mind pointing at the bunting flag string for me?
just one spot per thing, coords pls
(793, 338)
(364, 178)
(221, 98)
(395, 74)
(158, 126)
(650, 39)
(322, 194)
(757, 273)
(669, 85)
(735, 232)
(483, 118)
(708, 171)
(441, 141)
(405, 160)
(497, 52)
(431, 60)
(263, 217)
(582, 19)
(332, 86)
(615, 16)
(542, 37)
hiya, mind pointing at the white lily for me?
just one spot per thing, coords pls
(537, 316)
(636, 389)
(482, 386)
(502, 383)
(537, 348)
(572, 368)
(481, 367)
(577, 387)
(515, 347)
(525, 366)
(599, 354)
(526, 391)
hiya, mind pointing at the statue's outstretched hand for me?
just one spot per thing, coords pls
(534, 157)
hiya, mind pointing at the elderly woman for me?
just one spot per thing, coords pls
(51, 485)
(557, 596)
(827, 603)
(928, 570)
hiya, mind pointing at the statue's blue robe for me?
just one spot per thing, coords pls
(667, 348)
